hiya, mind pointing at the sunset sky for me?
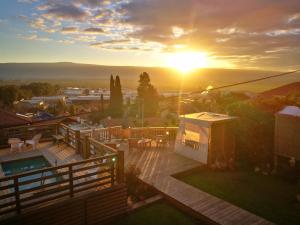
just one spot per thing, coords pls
(263, 34)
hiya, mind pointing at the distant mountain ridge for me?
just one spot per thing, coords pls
(163, 78)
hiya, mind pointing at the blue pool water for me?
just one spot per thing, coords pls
(27, 164)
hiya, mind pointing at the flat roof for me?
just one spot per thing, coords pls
(208, 117)
(290, 110)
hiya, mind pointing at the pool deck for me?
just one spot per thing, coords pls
(53, 153)
(157, 167)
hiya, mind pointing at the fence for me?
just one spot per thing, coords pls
(34, 188)
(27, 132)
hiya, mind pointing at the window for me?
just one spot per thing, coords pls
(191, 139)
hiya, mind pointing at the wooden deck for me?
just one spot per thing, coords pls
(157, 167)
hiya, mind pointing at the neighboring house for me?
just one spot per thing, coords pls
(24, 106)
(285, 90)
(42, 116)
(51, 100)
(287, 137)
(9, 119)
(73, 91)
(206, 137)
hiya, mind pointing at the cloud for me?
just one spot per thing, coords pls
(68, 11)
(69, 30)
(27, 1)
(93, 30)
(259, 30)
(284, 32)
(34, 37)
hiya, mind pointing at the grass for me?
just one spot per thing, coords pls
(159, 213)
(267, 196)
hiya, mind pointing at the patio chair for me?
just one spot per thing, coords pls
(34, 141)
(15, 143)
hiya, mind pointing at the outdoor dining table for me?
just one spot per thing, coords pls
(161, 141)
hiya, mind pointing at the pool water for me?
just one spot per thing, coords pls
(28, 164)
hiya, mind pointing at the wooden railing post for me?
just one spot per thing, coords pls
(77, 140)
(120, 167)
(17, 195)
(56, 128)
(112, 170)
(26, 133)
(71, 180)
(67, 136)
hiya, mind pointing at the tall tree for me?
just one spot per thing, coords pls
(112, 91)
(116, 97)
(147, 94)
(118, 93)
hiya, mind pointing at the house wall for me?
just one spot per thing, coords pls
(287, 136)
(222, 143)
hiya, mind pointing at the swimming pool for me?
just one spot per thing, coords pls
(28, 164)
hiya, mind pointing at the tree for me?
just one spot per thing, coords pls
(254, 133)
(72, 110)
(147, 95)
(118, 94)
(116, 97)
(112, 92)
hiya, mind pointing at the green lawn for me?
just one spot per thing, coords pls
(266, 196)
(159, 213)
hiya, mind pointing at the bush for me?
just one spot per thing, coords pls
(136, 189)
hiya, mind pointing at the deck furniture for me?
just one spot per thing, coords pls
(34, 141)
(161, 141)
(144, 143)
(58, 139)
(15, 143)
(112, 145)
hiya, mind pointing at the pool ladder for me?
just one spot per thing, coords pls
(42, 180)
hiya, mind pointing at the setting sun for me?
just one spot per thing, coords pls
(187, 61)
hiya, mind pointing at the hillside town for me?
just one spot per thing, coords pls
(149, 112)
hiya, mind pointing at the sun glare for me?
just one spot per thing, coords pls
(187, 61)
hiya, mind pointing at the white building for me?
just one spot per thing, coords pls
(206, 137)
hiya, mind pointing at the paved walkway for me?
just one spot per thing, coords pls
(157, 166)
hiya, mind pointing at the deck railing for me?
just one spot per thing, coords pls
(27, 132)
(32, 189)
(152, 132)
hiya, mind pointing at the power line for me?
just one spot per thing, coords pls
(250, 81)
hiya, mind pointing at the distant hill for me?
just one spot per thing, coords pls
(163, 78)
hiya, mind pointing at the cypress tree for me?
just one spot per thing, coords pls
(118, 92)
(112, 92)
(118, 96)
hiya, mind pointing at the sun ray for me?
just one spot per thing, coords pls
(187, 61)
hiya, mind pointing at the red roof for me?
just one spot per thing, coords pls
(293, 88)
(8, 119)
